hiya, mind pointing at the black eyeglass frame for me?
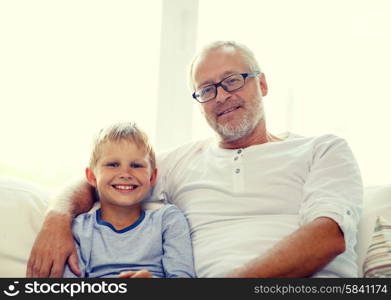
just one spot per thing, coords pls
(216, 85)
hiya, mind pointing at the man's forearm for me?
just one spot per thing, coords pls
(54, 244)
(300, 254)
(75, 198)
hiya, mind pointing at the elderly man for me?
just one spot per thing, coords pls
(258, 205)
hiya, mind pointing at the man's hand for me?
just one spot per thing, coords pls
(53, 247)
(136, 274)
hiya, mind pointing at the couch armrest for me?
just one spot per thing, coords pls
(22, 209)
(377, 202)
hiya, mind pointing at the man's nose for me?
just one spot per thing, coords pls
(221, 94)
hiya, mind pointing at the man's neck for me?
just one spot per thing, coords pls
(258, 136)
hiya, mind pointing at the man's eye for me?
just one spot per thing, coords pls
(207, 90)
(232, 81)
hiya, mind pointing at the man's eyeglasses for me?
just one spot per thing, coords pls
(229, 84)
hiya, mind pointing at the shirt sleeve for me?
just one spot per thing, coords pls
(177, 248)
(77, 226)
(158, 192)
(333, 187)
(67, 271)
(172, 165)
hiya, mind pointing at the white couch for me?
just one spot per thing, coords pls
(23, 206)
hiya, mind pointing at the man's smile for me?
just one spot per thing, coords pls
(229, 110)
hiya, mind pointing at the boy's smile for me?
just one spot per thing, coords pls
(124, 187)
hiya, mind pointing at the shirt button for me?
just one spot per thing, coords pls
(236, 158)
(348, 212)
(237, 171)
(239, 151)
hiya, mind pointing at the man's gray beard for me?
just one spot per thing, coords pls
(232, 133)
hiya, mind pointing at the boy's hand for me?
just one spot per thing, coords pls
(136, 274)
(53, 246)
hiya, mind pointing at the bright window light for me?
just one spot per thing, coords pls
(67, 68)
(327, 64)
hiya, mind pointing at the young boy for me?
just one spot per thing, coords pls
(121, 239)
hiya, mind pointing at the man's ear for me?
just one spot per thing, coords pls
(91, 177)
(263, 83)
(152, 180)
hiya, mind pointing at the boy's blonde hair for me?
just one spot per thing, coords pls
(122, 131)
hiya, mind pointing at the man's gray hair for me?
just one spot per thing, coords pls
(247, 54)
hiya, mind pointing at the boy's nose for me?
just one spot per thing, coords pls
(126, 173)
(126, 176)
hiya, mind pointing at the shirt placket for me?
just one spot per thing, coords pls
(238, 171)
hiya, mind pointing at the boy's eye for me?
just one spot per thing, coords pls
(136, 165)
(112, 164)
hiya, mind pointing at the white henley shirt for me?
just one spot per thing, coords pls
(240, 202)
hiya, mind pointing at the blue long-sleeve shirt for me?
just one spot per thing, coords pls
(158, 241)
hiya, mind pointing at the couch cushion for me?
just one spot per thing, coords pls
(378, 260)
(22, 209)
(377, 202)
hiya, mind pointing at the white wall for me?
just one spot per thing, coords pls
(178, 41)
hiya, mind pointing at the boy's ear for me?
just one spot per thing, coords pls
(153, 177)
(90, 177)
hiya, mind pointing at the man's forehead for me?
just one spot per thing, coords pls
(216, 64)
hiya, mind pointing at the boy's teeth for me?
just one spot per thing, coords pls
(124, 187)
